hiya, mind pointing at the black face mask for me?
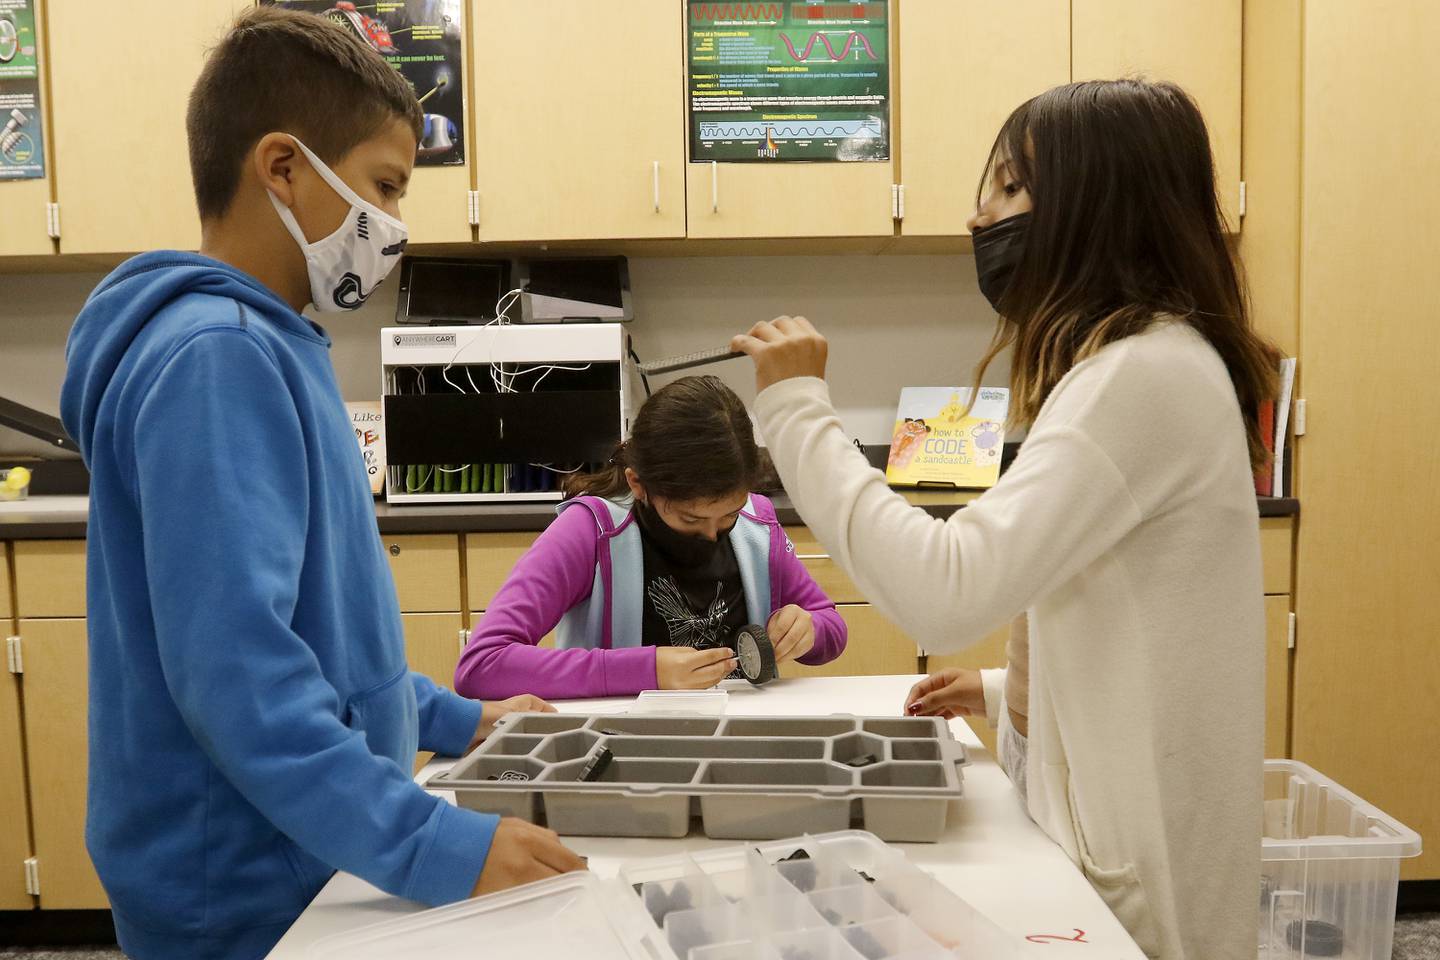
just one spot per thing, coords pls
(998, 249)
(684, 549)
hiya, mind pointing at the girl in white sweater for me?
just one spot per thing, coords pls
(1125, 530)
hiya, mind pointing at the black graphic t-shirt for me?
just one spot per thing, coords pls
(691, 605)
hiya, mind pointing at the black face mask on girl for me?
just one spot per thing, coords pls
(998, 249)
(684, 549)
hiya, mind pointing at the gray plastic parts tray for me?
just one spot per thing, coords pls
(839, 896)
(747, 778)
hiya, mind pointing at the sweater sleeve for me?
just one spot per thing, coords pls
(502, 658)
(797, 586)
(447, 721)
(224, 564)
(946, 582)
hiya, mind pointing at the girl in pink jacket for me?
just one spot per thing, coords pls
(650, 564)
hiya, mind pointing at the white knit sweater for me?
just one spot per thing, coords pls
(1127, 529)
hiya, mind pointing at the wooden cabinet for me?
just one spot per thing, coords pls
(1196, 45)
(579, 119)
(1277, 676)
(876, 647)
(963, 68)
(7, 607)
(50, 578)
(14, 798)
(118, 99)
(822, 199)
(489, 557)
(24, 212)
(827, 573)
(56, 694)
(1367, 656)
(432, 645)
(426, 569)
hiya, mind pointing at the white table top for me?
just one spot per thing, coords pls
(992, 854)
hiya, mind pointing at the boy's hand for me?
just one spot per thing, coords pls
(523, 853)
(492, 711)
(949, 694)
(792, 632)
(681, 668)
(784, 348)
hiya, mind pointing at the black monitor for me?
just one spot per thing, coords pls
(450, 290)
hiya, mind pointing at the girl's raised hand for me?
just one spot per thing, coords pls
(783, 348)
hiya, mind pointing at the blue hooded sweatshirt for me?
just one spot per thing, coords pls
(252, 719)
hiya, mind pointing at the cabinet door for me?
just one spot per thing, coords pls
(7, 609)
(778, 198)
(827, 573)
(119, 93)
(1277, 676)
(876, 648)
(1196, 45)
(56, 698)
(1367, 582)
(427, 572)
(579, 119)
(489, 558)
(432, 645)
(963, 68)
(24, 201)
(14, 809)
(1275, 553)
(50, 578)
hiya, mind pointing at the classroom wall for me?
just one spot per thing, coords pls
(892, 320)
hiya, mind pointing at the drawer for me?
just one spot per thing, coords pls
(427, 572)
(489, 557)
(1276, 539)
(49, 578)
(876, 648)
(827, 573)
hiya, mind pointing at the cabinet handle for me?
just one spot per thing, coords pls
(394, 549)
(656, 182)
(812, 556)
(714, 187)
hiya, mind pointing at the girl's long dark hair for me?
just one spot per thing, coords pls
(692, 440)
(1126, 230)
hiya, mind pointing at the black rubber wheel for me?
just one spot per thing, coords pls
(755, 653)
(1320, 939)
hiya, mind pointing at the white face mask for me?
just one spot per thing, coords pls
(347, 266)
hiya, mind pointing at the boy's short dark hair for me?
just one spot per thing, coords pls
(293, 72)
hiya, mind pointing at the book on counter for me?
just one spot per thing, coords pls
(369, 424)
(943, 440)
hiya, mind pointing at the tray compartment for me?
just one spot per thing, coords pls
(718, 748)
(788, 726)
(758, 814)
(503, 796)
(622, 806)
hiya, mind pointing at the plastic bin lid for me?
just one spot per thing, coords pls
(560, 919)
(1374, 834)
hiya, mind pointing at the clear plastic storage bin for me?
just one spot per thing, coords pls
(837, 896)
(1330, 871)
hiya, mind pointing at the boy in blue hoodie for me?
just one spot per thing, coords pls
(252, 720)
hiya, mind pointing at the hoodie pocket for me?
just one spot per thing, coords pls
(1119, 887)
(388, 715)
